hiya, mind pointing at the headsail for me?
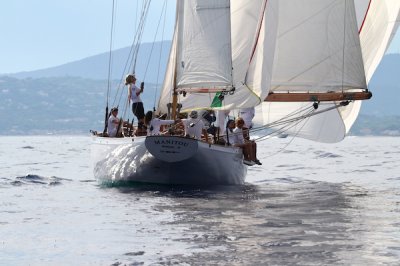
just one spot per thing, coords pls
(214, 53)
(377, 28)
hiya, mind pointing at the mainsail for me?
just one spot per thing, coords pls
(376, 24)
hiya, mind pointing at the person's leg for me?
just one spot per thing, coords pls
(249, 146)
(254, 145)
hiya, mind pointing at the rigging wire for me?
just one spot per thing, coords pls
(291, 140)
(110, 52)
(154, 41)
(287, 120)
(133, 52)
(109, 68)
(160, 55)
(142, 23)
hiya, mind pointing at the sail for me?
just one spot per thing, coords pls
(214, 53)
(377, 30)
(318, 48)
(169, 78)
(204, 45)
(374, 35)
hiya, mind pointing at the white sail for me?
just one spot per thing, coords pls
(169, 78)
(204, 45)
(318, 48)
(377, 30)
(251, 20)
(332, 128)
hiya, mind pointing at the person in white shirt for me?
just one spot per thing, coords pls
(249, 147)
(230, 126)
(194, 126)
(221, 117)
(154, 124)
(134, 97)
(113, 122)
(247, 114)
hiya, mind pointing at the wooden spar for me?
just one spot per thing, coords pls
(174, 105)
(317, 96)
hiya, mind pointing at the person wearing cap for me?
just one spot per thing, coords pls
(113, 123)
(154, 124)
(134, 97)
(194, 126)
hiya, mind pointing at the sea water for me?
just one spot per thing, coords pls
(308, 204)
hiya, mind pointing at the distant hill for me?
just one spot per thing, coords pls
(385, 87)
(70, 98)
(63, 105)
(96, 67)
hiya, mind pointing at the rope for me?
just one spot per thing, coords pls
(133, 52)
(160, 55)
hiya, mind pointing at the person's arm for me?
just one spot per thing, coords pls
(166, 122)
(139, 91)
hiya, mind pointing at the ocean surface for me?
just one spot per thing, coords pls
(308, 204)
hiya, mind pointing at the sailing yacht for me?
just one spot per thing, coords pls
(305, 64)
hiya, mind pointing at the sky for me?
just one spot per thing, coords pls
(36, 34)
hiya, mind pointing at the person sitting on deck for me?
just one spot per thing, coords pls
(113, 123)
(247, 114)
(154, 124)
(194, 126)
(230, 126)
(249, 147)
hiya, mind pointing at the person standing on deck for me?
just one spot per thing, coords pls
(154, 124)
(134, 97)
(194, 126)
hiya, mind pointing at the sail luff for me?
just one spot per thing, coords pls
(204, 57)
(242, 27)
(378, 29)
(170, 74)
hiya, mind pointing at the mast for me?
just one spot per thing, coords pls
(174, 99)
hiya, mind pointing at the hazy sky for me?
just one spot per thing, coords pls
(43, 33)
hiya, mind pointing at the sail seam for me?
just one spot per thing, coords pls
(258, 32)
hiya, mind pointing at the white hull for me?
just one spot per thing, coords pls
(117, 159)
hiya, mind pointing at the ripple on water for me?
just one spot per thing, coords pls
(37, 179)
(28, 147)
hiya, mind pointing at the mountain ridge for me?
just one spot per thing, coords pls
(70, 98)
(96, 66)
